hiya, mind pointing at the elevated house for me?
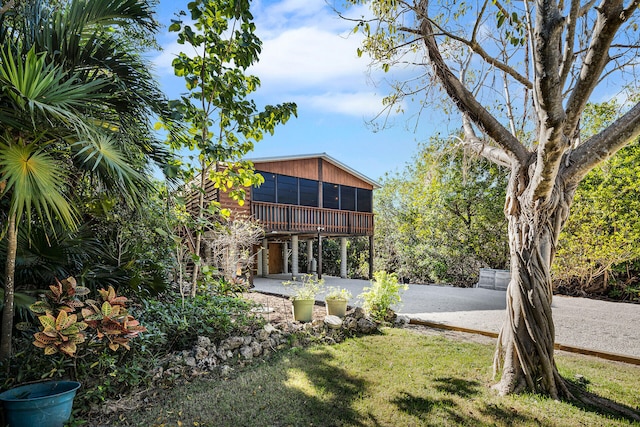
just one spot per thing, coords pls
(305, 198)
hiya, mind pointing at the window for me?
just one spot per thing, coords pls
(267, 191)
(330, 195)
(347, 198)
(287, 188)
(364, 200)
(308, 192)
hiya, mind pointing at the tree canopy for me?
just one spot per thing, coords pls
(520, 74)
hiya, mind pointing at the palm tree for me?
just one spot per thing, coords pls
(75, 102)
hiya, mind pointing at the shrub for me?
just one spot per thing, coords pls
(335, 293)
(306, 289)
(176, 324)
(383, 293)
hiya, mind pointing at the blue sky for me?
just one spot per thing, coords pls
(309, 57)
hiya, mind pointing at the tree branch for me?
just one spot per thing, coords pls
(551, 115)
(465, 101)
(611, 15)
(489, 152)
(600, 147)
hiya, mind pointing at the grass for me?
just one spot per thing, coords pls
(398, 378)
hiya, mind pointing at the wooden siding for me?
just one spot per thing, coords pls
(303, 168)
(304, 219)
(316, 169)
(335, 175)
(213, 194)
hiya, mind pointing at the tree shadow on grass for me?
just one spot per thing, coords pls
(591, 402)
(435, 411)
(336, 390)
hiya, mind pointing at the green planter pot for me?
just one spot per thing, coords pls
(46, 404)
(303, 310)
(336, 307)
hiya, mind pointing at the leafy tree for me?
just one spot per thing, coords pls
(75, 102)
(223, 122)
(438, 220)
(603, 229)
(520, 74)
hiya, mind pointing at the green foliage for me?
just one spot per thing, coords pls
(175, 324)
(383, 293)
(441, 219)
(336, 293)
(171, 324)
(222, 122)
(597, 249)
(306, 289)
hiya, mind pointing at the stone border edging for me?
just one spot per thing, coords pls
(571, 349)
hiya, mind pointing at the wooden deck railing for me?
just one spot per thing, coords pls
(300, 219)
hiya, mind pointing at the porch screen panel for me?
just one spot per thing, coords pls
(347, 198)
(308, 192)
(287, 188)
(267, 191)
(330, 195)
(364, 200)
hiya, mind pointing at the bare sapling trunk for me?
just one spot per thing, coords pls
(526, 342)
(9, 289)
(199, 231)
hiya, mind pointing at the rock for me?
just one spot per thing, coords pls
(333, 322)
(350, 323)
(226, 371)
(246, 341)
(204, 342)
(359, 313)
(257, 348)
(190, 361)
(246, 353)
(270, 328)
(232, 343)
(200, 353)
(402, 321)
(262, 335)
(366, 326)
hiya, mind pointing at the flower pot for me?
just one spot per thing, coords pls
(46, 404)
(303, 310)
(336, 307)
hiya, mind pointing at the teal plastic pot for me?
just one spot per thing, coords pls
(46, 404)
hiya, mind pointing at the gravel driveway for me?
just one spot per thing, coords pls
(610, 327)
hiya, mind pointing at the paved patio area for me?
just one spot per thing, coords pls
(609, 327)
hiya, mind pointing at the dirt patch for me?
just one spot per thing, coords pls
(277, 309)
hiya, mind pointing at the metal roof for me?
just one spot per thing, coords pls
(323, 156)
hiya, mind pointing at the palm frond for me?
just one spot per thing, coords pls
(101, 156)
(40, 94)
(34, 180)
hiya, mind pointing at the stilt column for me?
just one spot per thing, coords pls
(343, 257)
(294, 255)
(309, 255)
(265, 257)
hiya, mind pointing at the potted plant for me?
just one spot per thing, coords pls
(62, 329)
(336, 301)
(303, 296)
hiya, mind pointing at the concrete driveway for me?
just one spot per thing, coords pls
(603, 326)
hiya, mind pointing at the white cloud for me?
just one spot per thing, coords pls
(360, 104)
(310, 58)
(308, 55)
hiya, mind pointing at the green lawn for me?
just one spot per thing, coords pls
(398, 378)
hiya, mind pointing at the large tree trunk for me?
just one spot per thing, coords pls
(9, 280)
(526, 342)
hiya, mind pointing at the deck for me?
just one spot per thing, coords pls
(303, 219)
